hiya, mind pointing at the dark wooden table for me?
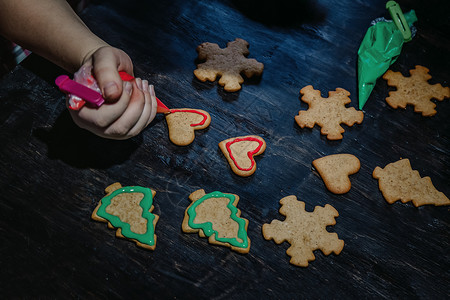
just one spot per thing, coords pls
(52, 174)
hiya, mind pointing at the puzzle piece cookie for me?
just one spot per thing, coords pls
(240, 152)
(183, 121)
(415, 90)
(398, 181)
(216, 216)
(328, 113)
(305, 231)
(228, 64)
(335, 169)
(129, 211)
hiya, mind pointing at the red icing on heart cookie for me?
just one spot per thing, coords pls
(205, 117)
(249, 153)
(183, 121)
(243, 153)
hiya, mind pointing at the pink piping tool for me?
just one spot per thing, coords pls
(69, 86)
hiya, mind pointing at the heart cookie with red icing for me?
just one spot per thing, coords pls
(182, 122)
(240, 152)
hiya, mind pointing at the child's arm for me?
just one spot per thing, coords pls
(51, 29)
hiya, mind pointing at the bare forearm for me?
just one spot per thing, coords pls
(49, 28)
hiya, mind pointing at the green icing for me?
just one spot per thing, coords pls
(146, 204)
(207, 227)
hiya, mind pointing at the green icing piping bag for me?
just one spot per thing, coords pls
(381, 46)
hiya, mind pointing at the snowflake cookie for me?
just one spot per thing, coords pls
(415, 90)
(228, 64)
(328, 113)
(305, 231)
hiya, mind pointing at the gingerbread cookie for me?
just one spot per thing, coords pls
(415, 90)
(183, 121)
(216, 216)
(228, 64)
(328, 113)
(398, 181)
(335, 169)
(129, 211)
(305, 231)
(240, 152)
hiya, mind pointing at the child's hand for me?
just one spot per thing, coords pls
(129, 106)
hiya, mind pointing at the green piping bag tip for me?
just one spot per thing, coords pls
(399, 19)
(363, 94)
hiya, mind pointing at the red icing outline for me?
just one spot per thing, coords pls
(250, 153)
(205, 117)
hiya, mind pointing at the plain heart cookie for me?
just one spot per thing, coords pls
(335, 169)
(182, 122)
(240, 152)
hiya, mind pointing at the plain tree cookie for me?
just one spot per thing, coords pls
(228, 64)
(398, 181)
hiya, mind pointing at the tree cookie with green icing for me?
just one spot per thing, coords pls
(216, 216)
(129, 211)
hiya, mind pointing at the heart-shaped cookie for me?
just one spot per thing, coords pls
(239, 152)
(335, 169)
(183, 121)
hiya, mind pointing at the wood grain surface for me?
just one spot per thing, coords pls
(52, 174)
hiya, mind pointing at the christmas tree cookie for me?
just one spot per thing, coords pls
(216, 217)
(129, 211)
(398, 181)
